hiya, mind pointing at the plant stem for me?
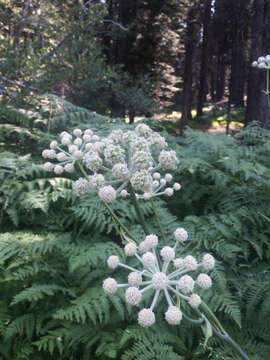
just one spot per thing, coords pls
(137, 209)
(267, 86)
(157, 219)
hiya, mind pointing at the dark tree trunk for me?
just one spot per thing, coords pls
(257, 106)
(239, 34)
(191, 34)
(220, 79)
(204, 57)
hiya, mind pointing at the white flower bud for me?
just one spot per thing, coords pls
(110, 286)
(167, 253)
(178, 263)
(65, 134)
(66, 140)
(124, 193)
(208, 262)
(77, 142)
(148, 259)
(168, 177)
(87, 138)
(69, 168)
(176, 186)
(58, 169)
(144, 246)
(77, 132)
(155, 183)
(120, 171)
(156, 175)
(61, 156)
(135, 279)
(133, 295)
(180, 235)
(173, 315)
(147, 196)
(95, 138)
(190, 263)
(151, 240)
(261, 59)
(130, 249)
(72, 148)
(168, 191)
(53, 145)
(204, 281)
(146, 318)
(160, 281)
(113, 261)
(186, 284)
(162, 182)
(107, 194)
(45, 153)
(89, 147)
(254, 64)
(51, 154)
(88, 132)
(48, 166)
(77, 154)
(261, 66)
(194, 300)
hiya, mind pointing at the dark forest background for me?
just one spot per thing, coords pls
(136, 57)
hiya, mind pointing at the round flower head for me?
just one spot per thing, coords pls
(176, 186)
(186, 284)
(142, 160)
(96, 181)
(45, 153)
(160, 281)
(51, 154)
(110, 286)
(48, 166)
(77, 142)
(53, 145)
(69, 168)
(92, 161)
(156, 176)
(148, 259)
(61, 156)
(147, 196)
(168, 191)
(167, 253)
(143, 130)
(66, 140)
(158, 141)
(58, 169)
(72, 148)
(151, 240)
(135, 279)
(87, 138)
(116, 136)
(113, 261)
(130, 249)
(194, 300)
(180, 235)
(77, 154)
(77, 132)
(81, 187)
(107, 194)
(146, 318)
(173, 315)
(190, 263)
(88, 132)
(208, 262)
(124, 193)
(120, 171)
(168, 160)
(168, 177)
(178, 263)
(204, 281)
(65, 134)
(138, 144)
(114, 154)
(144, 246)
(133, 295)
(140, 180)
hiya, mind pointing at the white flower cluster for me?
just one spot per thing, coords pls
(168, 276)
(263, 62)
(113, 163)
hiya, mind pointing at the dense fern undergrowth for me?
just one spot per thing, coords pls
(54, 246)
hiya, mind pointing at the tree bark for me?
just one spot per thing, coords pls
(257, 106)
(204, 57)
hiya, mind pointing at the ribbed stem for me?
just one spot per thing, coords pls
(137, 209)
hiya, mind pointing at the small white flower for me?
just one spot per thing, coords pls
(92, 161)
(204, 281)
(48, 166)
(194, 300)
(72, 148)
(208, 262)
(110, 286)
(186, 284)
(77, 142)
(90, 148)
(45, 153)
(77, 132)
(65, 134)
(143, 130)
(77, 154)
(120, 171)
(58, 169)
(168, 191)
(190, 263)
(107, 194)
(148, 259)
(146, 318)
(168, 177)
(167, 253)
(156, 176)
(69, 168)
(176, 186)
(88, 132)
(151, 240)
(254, 64)
(155, 183)
(51, 154)
(130, 249)
(124, 193)
(178, 263)
(144, 246)
(135, 279)
(160, 281)
(87, 138)
(147, 196)
(142, 160)
(61, 156)
(81, 187)
(96, 181)
(113, 261)
(53, 145)
(168, 160)
(114, 154)
(180, 235)
(140, 180)
(95, 138)
(66, 140)
(261, 59)
(133, 295)
(173, 315)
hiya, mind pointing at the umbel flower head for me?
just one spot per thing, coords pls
(162, 275)
(263, 62)
(111, 164)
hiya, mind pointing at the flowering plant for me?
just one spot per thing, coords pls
(129, 164)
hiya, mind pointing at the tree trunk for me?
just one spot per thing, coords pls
(257, 106)
(204, 57)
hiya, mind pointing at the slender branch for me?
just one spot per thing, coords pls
(15, 83)
(116, 23)
(157, 219)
